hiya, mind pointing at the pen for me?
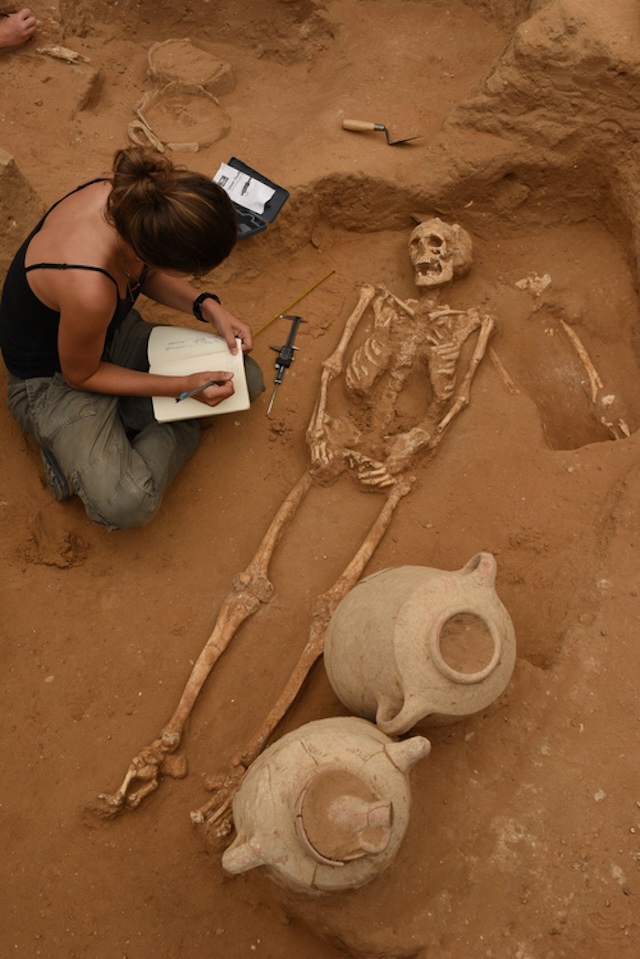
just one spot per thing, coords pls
(199, 389)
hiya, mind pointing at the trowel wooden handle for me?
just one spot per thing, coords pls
(359, 126)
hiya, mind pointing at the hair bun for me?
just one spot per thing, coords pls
(144, 173)
(173, 218)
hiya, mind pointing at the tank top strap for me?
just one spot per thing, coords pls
(71, 266)
(83, 186)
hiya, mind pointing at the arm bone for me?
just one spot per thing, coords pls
(334, 365)
(462, 394)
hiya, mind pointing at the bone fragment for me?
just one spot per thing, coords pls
(63, 53)
(592, 373)
(403, 306)
(618, 430)
(534, 284)
(502, 372)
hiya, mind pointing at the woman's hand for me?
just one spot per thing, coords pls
(220, 389)
(228, 326)
(175, 292)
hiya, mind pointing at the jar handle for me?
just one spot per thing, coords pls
(482, 567)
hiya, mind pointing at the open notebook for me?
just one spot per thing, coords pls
(174, 351)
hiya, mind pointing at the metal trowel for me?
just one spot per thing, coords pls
(362, 126)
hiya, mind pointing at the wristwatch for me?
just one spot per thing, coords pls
(197, 304)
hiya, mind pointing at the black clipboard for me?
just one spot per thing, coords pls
(250, 223)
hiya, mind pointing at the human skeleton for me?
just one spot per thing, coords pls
(406, 337)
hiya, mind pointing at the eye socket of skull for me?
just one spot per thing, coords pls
(439, 251)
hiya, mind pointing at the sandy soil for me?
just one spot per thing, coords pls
(523, 837)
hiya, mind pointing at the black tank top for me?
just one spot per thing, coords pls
(28, 328)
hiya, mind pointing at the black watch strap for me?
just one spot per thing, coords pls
(197, 304)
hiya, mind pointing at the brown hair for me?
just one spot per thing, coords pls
(172, 218)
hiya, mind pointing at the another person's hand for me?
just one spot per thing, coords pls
(17, 28)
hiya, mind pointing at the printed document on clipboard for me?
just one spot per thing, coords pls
(257, 199)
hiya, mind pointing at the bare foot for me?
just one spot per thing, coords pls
(17, 28)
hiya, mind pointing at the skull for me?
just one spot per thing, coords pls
(439, 251)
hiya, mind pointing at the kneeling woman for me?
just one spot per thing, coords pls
(76, 349)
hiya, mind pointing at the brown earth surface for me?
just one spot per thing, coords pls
(524, 833)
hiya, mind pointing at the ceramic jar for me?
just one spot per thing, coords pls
(326, 807)
(414, 645)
